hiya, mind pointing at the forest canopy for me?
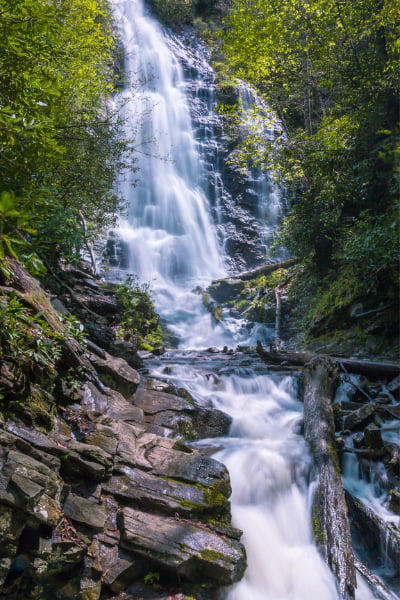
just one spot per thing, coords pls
(60, 142)
(329, 68)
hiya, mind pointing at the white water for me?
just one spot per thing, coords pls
(269, 466)
(173, 246)
(172, 240)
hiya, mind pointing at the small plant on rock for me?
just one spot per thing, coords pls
(139, 322)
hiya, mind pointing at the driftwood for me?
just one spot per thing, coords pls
(34, 296)
(329, 512)
(352, 365)
(246, 275)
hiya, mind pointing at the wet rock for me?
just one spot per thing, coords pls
(359, 417)
(152, 400)
(358, 440)
(225, 290)
(100, 335)
(179, 415)
(117, 568)
(120, 409)
(211, 423)
(103, 437)
(189, 550)
(394, 502)
(394, 387)
(372, 436)
(127, 351)
(100, 304)
(85, 512)
(11, 525)
(381, 538)
(159, 456)
(27, 484)
(167, 495)
(116, 373)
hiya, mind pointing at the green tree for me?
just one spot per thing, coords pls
(60, 142)
(330, 70)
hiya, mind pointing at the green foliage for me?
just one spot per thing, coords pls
(60, 142)
(329, 69)
(25, 338)
(152, 577)
(174, 13)
(139, 321)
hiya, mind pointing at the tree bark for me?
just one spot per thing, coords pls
(278, 314)
(246, 275)
(329, 511)
(353, 365)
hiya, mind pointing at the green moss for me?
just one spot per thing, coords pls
(212, 556)
(320, 536)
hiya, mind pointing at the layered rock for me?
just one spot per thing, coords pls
(98, 496)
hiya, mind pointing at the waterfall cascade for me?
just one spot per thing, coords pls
(179, 230)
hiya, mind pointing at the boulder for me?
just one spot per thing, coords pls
(127, 351)
(120, 409)
(177, 415)
(394, 387)
(11, 525)
(226, 290)
(166, 495)
(30, 485)
(166, 457)
(111, 403)
(115, 372)
(359, 417)
(192, 551)
(85, 512)
(117, 568)
(373, 436)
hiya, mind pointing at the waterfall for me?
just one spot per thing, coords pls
(180, 223)
(168, 226)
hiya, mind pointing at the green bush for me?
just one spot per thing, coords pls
(139, 322)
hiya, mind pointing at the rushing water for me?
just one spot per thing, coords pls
(174, 245)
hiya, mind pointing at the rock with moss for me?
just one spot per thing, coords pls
(189, 550)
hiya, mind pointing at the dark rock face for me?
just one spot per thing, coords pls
(188, 549)
(83, 494)
(234, 190)
(79, 502)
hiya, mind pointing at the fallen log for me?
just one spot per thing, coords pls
(353, 365)
(254, 273)
(329, 512)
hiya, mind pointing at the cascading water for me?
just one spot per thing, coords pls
(173, 245)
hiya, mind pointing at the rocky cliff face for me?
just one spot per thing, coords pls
(241, 197)
(99, 494)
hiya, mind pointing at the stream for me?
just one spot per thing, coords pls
(177, 234)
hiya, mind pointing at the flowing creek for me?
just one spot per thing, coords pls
(176, 235)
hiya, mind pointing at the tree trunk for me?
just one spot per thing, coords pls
(278, 313)
(329, 511)
(254, 273)
(360, 367)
